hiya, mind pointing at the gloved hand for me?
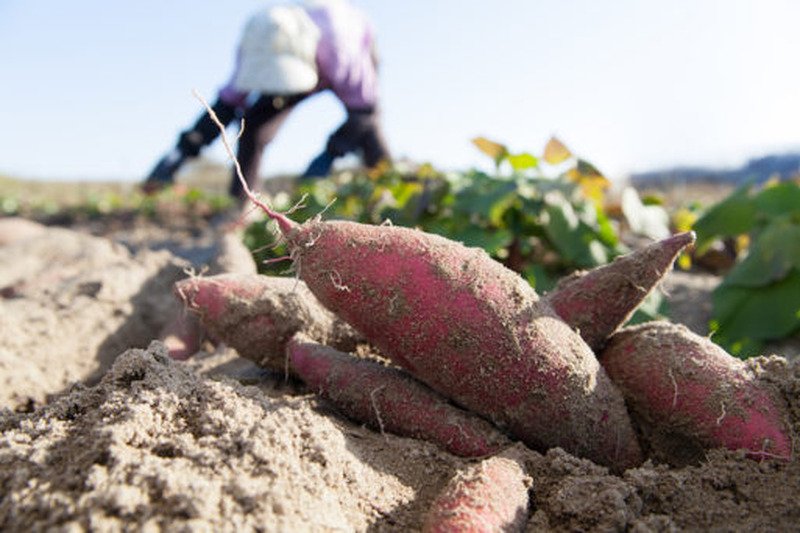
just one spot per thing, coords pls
(164, 172)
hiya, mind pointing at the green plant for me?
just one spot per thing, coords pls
(759, 299)
(544, 218)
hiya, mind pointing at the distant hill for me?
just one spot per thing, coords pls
(757, 170)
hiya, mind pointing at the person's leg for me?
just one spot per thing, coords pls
(360, 132)
(261, 124)
(373, 143)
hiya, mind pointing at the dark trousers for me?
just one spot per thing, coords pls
(261, 124)
(361, 132)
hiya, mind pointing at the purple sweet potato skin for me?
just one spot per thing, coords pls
(600, 301)
(691, 395)
(389, 399)
(471, 329)
(489, 496)
(257, 315)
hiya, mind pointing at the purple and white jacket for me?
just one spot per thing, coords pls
(345, 59)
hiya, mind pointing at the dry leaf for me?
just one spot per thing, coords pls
(493, 149)
(555, 152)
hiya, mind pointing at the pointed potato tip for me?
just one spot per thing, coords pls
(679, 241)
(185, 289)
(198, 293)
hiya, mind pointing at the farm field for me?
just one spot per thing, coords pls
(102, 430)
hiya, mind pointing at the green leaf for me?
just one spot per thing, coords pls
(563, 237)
(488, 198)
(648, 220)
(491, 240)
(597, 254)
(749, 316)
(732, 216)
(404, 191)
(593, 185)
(193, 195)
(572, 238)
(654, 307)
(538, 278)
(779, 199)
(522, 161)
(774, 251)
(741, 348)
(605, 230)
(587, 169)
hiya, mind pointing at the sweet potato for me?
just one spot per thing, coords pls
(689, 395)
(257, 315)
(183, 336)
(488, 496)
(468, 327)
(600, 301)
(389, 399)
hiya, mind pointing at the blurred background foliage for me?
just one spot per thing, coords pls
(543, 216)
(758, 299)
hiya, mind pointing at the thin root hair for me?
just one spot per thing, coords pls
(378, 417)
(223, 135)
(271, 246)
(318, 216)
(276, 259)
(301, 204)
(336, 279)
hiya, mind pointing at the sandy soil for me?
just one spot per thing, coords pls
(101, 430)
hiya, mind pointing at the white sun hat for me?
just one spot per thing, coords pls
(277, 52)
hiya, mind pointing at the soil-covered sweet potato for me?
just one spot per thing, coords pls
(257, 315)
(689, 395)
(388, 399)
(471, 329)
(598, 302)
(491, 495)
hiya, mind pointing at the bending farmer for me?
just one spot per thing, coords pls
(285, 55)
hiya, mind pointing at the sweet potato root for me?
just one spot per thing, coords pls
(690, 395)
(600, 301)
(489, 496)
(471, 329)
(388, 399)
(257, 315)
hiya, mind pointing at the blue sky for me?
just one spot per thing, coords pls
(99, 90)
